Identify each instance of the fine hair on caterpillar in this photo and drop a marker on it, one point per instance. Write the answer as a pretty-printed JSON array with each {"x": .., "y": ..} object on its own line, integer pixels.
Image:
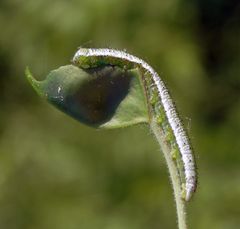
[{"x": 86, "y": 58}]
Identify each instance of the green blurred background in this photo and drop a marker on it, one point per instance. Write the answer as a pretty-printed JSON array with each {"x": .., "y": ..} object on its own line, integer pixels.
[{"x": 58, "y": 174}]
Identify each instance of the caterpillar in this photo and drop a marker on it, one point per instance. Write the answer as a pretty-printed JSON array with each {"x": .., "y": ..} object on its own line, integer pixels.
[{"x": 161, "y": 102}]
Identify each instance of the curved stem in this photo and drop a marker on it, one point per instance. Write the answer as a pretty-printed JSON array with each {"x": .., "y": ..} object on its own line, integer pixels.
[{"x": 174, "y": 176}]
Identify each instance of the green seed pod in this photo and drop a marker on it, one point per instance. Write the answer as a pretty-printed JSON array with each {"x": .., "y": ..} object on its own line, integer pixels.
[{"x": 105, "y": 96}]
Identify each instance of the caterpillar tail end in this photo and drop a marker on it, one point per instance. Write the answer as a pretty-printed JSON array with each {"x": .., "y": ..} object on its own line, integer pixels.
[{"x": 189, "y": 192}]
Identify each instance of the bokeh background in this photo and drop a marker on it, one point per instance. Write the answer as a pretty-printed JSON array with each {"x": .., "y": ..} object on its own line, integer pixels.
[{"x": 58, "y": 174}]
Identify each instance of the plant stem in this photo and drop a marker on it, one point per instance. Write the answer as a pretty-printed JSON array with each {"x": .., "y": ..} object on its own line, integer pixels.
[{"x": 174, "y": 176}]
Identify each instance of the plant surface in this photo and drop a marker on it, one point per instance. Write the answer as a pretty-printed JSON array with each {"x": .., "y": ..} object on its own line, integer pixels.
[{"x": 106, "y": 88}]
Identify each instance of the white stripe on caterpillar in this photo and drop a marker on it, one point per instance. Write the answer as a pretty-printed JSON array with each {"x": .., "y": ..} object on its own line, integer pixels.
[{"x": 171, "y": 113}]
